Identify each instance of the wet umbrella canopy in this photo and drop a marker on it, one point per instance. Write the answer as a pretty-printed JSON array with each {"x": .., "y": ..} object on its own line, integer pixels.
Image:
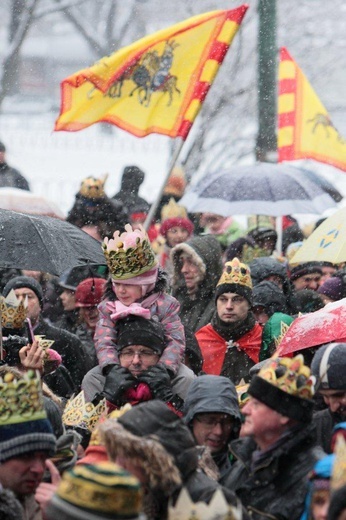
[
  {"x": 262, "y": 189},
  {"x": 47, "y": 244}
]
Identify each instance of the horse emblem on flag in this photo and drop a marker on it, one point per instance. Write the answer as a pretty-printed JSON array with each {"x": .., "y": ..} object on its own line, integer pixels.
[{"x": 150, "y": 74}]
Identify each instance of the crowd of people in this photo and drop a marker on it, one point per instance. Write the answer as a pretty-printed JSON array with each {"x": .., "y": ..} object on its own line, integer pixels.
[{"x": 151, "y": 386}]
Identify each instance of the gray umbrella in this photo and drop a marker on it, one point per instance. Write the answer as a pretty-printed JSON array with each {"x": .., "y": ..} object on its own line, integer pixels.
[
  {"x": 47, "y": 244},
  {"x": 262, "y": 189}
]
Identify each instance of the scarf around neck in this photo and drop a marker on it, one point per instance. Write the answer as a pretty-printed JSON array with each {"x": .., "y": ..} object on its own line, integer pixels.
[{"x": 233, "y": 331}]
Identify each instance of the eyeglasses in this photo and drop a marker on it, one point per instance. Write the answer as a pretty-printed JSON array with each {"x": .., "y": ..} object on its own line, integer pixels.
[
  {"x": 210, "y": 421},
  {"x": 142, "y": 354}
]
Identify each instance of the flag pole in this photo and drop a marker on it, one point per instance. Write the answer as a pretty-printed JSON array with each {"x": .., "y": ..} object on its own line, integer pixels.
[{"x": 177, "y": 149}]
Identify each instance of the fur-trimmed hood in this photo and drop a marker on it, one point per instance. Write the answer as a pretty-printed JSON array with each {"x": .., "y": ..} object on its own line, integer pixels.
[{"x": 206, "y": 253}]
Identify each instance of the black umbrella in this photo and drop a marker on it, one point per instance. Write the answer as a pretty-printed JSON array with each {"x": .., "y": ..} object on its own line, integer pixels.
[{"x": 47, "y": 244}]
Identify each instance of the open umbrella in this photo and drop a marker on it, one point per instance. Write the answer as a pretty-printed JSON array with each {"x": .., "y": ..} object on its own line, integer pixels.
[
  {"x": 322, "y": 326},
  {"x": 262, "y": 189},
  {"x": 45, "y": 244},
  {"x": 27, "y": 202},
  {"x": 327, "y": 243}
]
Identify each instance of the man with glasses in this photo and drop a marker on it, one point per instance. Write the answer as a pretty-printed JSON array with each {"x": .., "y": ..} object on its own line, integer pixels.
[
  {"x": 231, "y": 342},
  {"x": 139, "y": 375},
  {"x": 211, "y": 410}
]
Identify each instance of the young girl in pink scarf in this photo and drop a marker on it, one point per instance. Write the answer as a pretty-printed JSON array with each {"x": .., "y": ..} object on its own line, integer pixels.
[{"x": 137, "y": 287}]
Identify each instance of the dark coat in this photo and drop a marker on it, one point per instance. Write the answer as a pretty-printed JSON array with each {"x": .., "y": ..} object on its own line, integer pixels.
[
  {"x": 325, "y": 420},
  {"x": 72, "y": 353},
  {"x": 206, "y": 251},
  {"x": 155, "y": 418},
  {"x": 275, "y": 485},
  {"x": 11, "y": 178},
  {"x": 130, "y": 183}
]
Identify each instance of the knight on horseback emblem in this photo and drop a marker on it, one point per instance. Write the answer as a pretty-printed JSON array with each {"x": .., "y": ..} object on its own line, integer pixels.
[{"x": 151, "y": 73}]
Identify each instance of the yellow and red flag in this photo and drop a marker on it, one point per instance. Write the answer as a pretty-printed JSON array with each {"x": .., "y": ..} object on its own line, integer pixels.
[
  {"x": 305, "y": 130},
  {"x": 155, "y": 85}
]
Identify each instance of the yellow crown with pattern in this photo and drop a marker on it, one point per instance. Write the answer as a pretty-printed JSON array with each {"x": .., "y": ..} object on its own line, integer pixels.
[
  {"x": 85, "y": 415},
  {"x": 173, "y": 210},
  {"x": 290, "y": 375},
  {"x": 21, "y": 398},
  {"x": 13, "y": 311},
  {"x": 93, "y": 188},
  {"x": 235, "y": 272},
  {"x": 129, "y": 254},
  {"x": 217, "y": 509},
  {"x": 338, "y": 478}
]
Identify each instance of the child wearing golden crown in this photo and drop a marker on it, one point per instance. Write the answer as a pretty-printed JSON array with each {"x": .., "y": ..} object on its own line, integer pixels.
[{"x": 136, "y": 287}]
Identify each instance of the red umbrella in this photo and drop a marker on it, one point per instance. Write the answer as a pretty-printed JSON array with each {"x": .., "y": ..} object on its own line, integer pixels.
[{"x": 323, "y": 326}]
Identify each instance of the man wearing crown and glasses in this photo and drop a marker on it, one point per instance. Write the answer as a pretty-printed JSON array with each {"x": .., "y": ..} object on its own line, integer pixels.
[{"x": 231, "y": 342}]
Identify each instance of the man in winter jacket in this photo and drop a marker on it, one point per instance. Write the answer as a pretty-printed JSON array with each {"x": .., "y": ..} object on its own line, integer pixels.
[
  {"x": 160, "y": 450},
  {"x": 67, "y": 379},
  {"x": 231, "y": 342},
  {"x": 276, "y": 450},
  {"x": 197, "y": 267},
  {"x": 329, "y": 367},
  {"x": 10, "y": 177},
  {"x": 211, "y": 410}
]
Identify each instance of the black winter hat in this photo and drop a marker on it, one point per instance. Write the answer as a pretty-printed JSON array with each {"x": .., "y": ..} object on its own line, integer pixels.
[
  {"x": 135, "y": 330},
  {"x": 305, "y": 268},
  {"x": 19, "y": 282},
  {"x": 329, "y": 367}
]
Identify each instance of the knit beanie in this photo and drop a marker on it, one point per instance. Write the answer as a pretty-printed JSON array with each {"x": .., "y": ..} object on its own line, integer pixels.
[
  {"x": 236, "y": 278},
  {"x": 285, "y": 385},
  {"x": 96, "y": 491},
  {"x": 304, "y": 269},
  {"x": 332, "y": 288},
  {"x": 172, "y": 215},
  {"x": 19, "y": 282},
  {"x": 135, "y": 330},
  {"x": 24, "y": 427},
  {"x": 329, "y": 366}
]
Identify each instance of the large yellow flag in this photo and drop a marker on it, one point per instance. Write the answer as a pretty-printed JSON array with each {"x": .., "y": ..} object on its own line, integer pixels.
[
  {"x": 155, "y": 85},
  {"x": 305, "y": 130}
]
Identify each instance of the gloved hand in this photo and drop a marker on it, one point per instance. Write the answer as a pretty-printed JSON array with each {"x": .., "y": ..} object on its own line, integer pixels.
[
  {"x": 158, "y": 379},
  {"x": 118, "y": 380}
]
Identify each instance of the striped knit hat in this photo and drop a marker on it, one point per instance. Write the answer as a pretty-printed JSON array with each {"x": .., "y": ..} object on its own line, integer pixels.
[{"x": 96, "y": 491}]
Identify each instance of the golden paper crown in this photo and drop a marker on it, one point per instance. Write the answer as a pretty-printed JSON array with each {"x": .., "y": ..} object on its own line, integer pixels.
[
  {"x": 235, "y": 272},
  {"x": 290, "y": 375},
  {"x": 13, "y": 311},
  {"x": 93, "y": 188},
  {"x": 173, "y": 210},
  {"x": 85, "y": 415},
  {"x": 217, "y": 509},
  {"x": 283, "y": 329},
  {"x": 242, "y": 393},
  {"x": 21, "y": 399},
  {"x": 338, "y": 478},
  {"x": 129, "y": 254},
  {"x": 95, "y": 439}
]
